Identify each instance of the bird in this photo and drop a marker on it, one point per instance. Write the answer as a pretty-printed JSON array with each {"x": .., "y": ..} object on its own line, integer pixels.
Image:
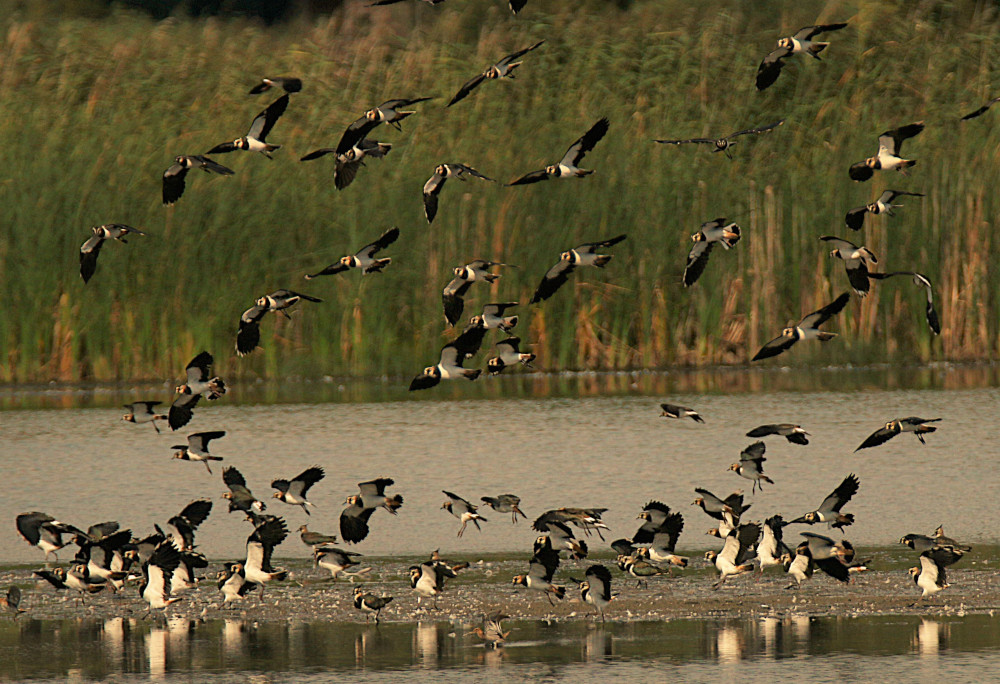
[
  {"x": 517, "y": 5},
  {"x": 463, "y": 510},
  {"x": 933, "y": 320},
  {"x": 279, "y": 300},
  {"x": 772, "y": 547},
  {"x": 829, "y": 556},
  {"x": 942, "y": 540},
  {"x": 567, "y": 166},
  {"x": 370, "y": 604},
  {"x": 734, "y": 559},
  {"x": 260, "y": 127},
  {"x": 504, "y": 68},
  {"x": 918, "y": 426},
  {"x": 890, "y": 145},
  {"x": 508, "y": 355},
  {"x": 315, "y": 539},
  {"x": 790, "y": 431},
  {"x": 390, "y": 112},
  {"x": 829, "y": 511},
  {"x": 348, "y": 161},
  {"x": 91, "y": 249},
  {"x": 434, "y": 184},
  {"x": 586, "y": 519},
  {"x": 239, "y": 496},
  {"x": 364, "y": 258},
  {"x": 294, "y": 492},
  {"x": 143, "y": 412},
  {"x": 712, "y": 232},
  {"x": 371, "y": 496},
  {"x": 725, "y": 142},
  {"x": 799, "y": 43},
  {"x": 919, "y": 542},
  {"x": 184, "y": 578},
  {"x": 807, "y": 329},
  {"x": 855, "y": 261},
  {"x": 491, "y": 631},
  {"x": 233, "y": 583},
  {"x": 541, "y": 568},
  {"x": 12, "y": 601},
  {"x": 982, "y": 110},
  {"x": 661, "y": 540},
  {"x": 289, "y": 84},
  {"x": 675, "y": 411},
  {"x": 200, "y": 382},
  {"x": 427, "y": 579},
  {"x": 493, "y": 318},
  {"x": 505, "y": 503},
  {"x": 640, "y": 569},
  {"x": 596, "y": 588},
  {"x": 197, "y": 448},
  {"x": 156, "y": 576},
  {"x": 558, "y": 535},
  {"x": 655, "y": 515},
  {"x": 751, "y": 466},
  {"x": 716, "y": 507},
  {"x": 42, "y": 530},
  {"x": 260, "y": 548},
  {"x": 173, "y": 177},
  {"x": 582, "y": 255},
  {"x": 448, "y": 368},
  {"x": 337, "y": 561},
  {"x": 454, "y": 292},
  {"x": 855, "y": 218},
  {"x": 248, "y": 334},
  {"x": 931, "y": 576},
  {"x": 181, "y": 527}
]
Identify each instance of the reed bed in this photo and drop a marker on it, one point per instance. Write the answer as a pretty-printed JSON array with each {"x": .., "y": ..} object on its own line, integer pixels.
[{"x": 94, "y": 110}]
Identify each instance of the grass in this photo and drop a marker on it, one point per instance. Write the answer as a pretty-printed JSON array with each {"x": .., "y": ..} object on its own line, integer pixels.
[{"x": 94, "y": 110}]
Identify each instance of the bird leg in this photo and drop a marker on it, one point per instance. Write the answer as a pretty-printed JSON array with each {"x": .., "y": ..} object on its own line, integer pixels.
[{"x": 461, "y": 530}]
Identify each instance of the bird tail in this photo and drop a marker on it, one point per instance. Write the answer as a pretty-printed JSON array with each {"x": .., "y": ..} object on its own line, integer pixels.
[
  {"x": 765, "y": 478},
  {"x": 824, "y": 336},
  {"x": 906, "y": 163},
  {"x": 280, "y": 576},
  {"x": 213, "y": 458},
  {"x": 817, "y": 48},
  {"x": 746, "y": 567},
  {"x": 491, "y": 277},
  {"x": 602, "y": 260},
  {"x": 527, "y": 358},
  {"x": 679, "y": 561},
  {"x": 472, "y": 373},
  {"x": 560, "y": 592},
  {"x": 510, "y": 321},
  {"x": 378, "y": 265},
  {"x": 844, "y": 520},
  {"x": 392, "y": 503}
]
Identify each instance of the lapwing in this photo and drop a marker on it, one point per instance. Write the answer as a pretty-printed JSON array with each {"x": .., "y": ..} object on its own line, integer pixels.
[
  {"x": 596, "y": 588},
  {"x": 712, "y": 232},
  {"x": 508, "y": 355},
  {"x": 582, "y": 255},
  {"x": 454, "y": 292},
  {"x": 180, "y": 529},
  {"x": 233, "y": 583},
  {"x": 493, "y": 319},
  {"x": 248, "y": 334},
  {"x": 504, "y": 68},
  {"x": 829, "y": 510},
  {"x": 185, "y": 576},
  {"x": 371, "y": 496},
  {"x": 568, "y": 165},
  {"x": 104, "y": 557},
  {"x": 449, "y": 367},
  {"x": 919, "y": 542},
  {"x": 11, "y": 602},
  {"x": 91, "y": 249},
  {"x": 337, "y": 561},
  {"x": 390, "y": 112},
  {"x": 890, "y": 145},
  {"x": 640, "y": 569},
  {"x": 434, "y": 184},
  {"x": 370, "y": 604},
  {"x": 586, "y": 519},
  {"x": 800, "y": 43},
  {"x": 45, "y": 532},
  {"x": 364, "y": 258},
  {"x": 491, "y": 631},
  {"x": 716, "y": 507},
  {"x": 505, "y": 503},
  {"x": 772, "y": 546},
  {"x": 855, "y": 218},
  {"x": 982, "y": 110},
  {"x": 558, "y": 535},
  {"x": 662, "y": 542},
  {"x": 260, "y": 548},
  {"x": 239, "y": 496},
  {"x": 173, "y": 177},
  {"x": 541, "y": 568},
  {"x": 736, "y": 554},
  {"x": 294, "y": 491},
  {"x": 806, "y": 329},
  {"x": 463, "y": 510},
  {"x": 427, "y": 579},
  {"x": 200, "y": 382},
  {"x": 725, "y": 142},
  {"x": 655, "y": 514},
  {"x": 942, "y": 540},
  {"x": 931, "y": 576},
  {"x": 349, "y": 161},
  {"x": 790, "y": 431},
  {"x": 279, "y": 300},
  {"x": 156, "y": 577},
  {"x": 143, "y": 412},
  {"x": 829, "y": 556},
  {"x": 197, "y": 448},
  {"x": 260, "y": 127},
  {"x": 675, "y": 411},
  {"x": 933, "y": 320},
  {"x": 751, "y": 466},
  {"x": 918, "y": 426},
  {"x": 289, "y": 84},
  {"x": 855, "y": 261},
  {"x": 314, "y": 539}
]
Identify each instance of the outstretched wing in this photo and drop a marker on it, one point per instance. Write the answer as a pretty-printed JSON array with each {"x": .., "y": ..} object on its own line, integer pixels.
[
  {"x": 808, "y": 32},
  {"x": 880, "y": 436},
  {"x": 554, "y": 278},
  {"x": 528, "y": 178},
  {"x": 770, "y": 68},
  {"x": 264, "y": 122},
  {"x": 774, "y": 347},
  {"x": 821, "y": 316},
  {"x": 467, "y": 88},
  {"x": 841, "y": 495},
  {"x": 892, "y": 141},
  {"x": 514, "y": 55},
  {"x": 696, "y": 262},
  {"x": 384, "y": 240},
  {"x": 855, "y": 218},
  {"x": 759, "y": 129},
  {"x": 585, "y": 143}
]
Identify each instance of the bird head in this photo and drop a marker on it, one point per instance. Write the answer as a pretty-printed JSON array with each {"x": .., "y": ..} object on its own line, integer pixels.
[
  {"x": 698, "y": 237},
  {"x": 495, "y": 365},
  {"x": 872, "y": 162},
  {"x": 735, "y": 467},
  {"x": 493, "y": 72},
  {"x": 788, "y": 332},
  {"x": 710, "y": 556},
  {"x": 913, "y": 572},
  {"x": 350, "y": 261},
  {"x": 442, "y": 170},
  {"x": 446, "y": 506},
  {"x": 372, "y": 115},
  {"x": 834, "y": 253},
  {"x": 785, "y": 43},
  {"x": 520, "y": 579},
  {"x": 180, "y": 160},
  {"x": 358, "y": 591},
  {"x": 276, "y": 495},
  {"x": 714, "y": 532},
  {"x": 698, "y": 502},
  {"x": 643, "y": 516},
  {"x": 180, "y": 453},
  {"x": 182, "y": 389},
  {"x": 552, "y": 169},
  {"x": 873, "y": 207},
  {"x": 129, "y": 417}
]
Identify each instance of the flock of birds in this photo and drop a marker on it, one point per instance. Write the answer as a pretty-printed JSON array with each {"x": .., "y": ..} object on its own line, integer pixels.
[{"x": 166, "y": 559}]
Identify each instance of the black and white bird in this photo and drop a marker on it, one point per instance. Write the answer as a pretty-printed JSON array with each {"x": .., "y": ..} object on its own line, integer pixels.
[
  {"x": 289, "y": 84},
  {"x": 453, "y": 295},
  {"x": 800, "y": 43},
  {"x": 942, "y": 540},
  {"x": 675, "y": 411},
  {"x": 181, "y": 528},
  {"x": 294, "y": 491},
  {"x": 505, "y": 503},
  {"x": 434, "y": 184},
  {"x": 315, "y": 539},
  {"x": 240, "y": 497},
  {"x": 391, "y": 113},
  {"x": 200, "y": 382},
  {"x": 931, "y": 576},
  {"x": 279, "y": 300},
  {"x": 982, "y": 110},
  {"x": 233, "y": 583},
  {"x": 463, "y": 510},
  {"x": 661, "y": 539},
  {"x": 596, "y": 588},
  {"x": 807, "y": 329},
  {"x": 197, "y": 448},
  {"x": 890, "y": 145},
  {"x": 855, "y": 261},
  {"x": 364, "y": 258},
  {"x": 370, "y": 604},
  {"x": 173, "y": 177},
  {"x": 91, "y": 249},
  {"x": 493, "y": 318},
  {"x": 737, "y": 552},
  {"x": 156, "y": 576},
  {"x": 45, "y": 532},
  {"x": 353, "y": 157},
  {"x": 582, "y": 255},
  {"x": 587, "y": 519},
  {"x": 360, "y": 507},
  {"x": 260, "y": 549},
  {"x": 933, "y": 320},
  {"x": 919, "y": 542},
  {"x": 718, "y": 508},
  {"x": 541, "y": 569},
  {"x": 772, "y": 546},
  {"x": 829, "y": 510},
  {"x": 855, "y": 218},
  {"x": 260, "y": 127},
  {"x": 427, "y": 579},
  {"x": 337, "y": 561},
  {"x": 568, "y": 166},
  {"x": 504, "y": 68},
  {"x": 725, "y": 142},
  {"x": 712, "y": 232},
  {"x": 508, "y": 355},
  {"x": 829, "y": 556},
  {"x": 918, "y": 426},
  {"x": 790, "y": 431},
  {"x": 143, "y": 412},
  {"x": 449, "y": 367},
  {"x": 559, "y": 536},
  {"x": 248, "y": 334},
  {"x": 751, "y": 466}
]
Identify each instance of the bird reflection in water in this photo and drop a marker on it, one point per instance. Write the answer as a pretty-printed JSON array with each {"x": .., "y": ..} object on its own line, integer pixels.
[
  {"x": 425, "y": 644},
  {"x": 596, "y": 644},
  {"x": 729, "y": 643},
  {"x": 931, "y": 637}
]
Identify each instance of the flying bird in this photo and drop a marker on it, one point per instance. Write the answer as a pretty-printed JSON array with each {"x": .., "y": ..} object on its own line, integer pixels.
[
  {"x": 800, "y": 43},
  {"x": 448, "y": 368},
  {"x": 44, "y": 531},
  {"x": 200, "y": 382},
  {"x": 156, "y": 576},
  {"x": 829, "y": 510},
  {"x": 364, "y": 258},
  {"x": 442, "y": 172},
  {"x": 918, "y": 426},
  {"x": 855, "y": 261},
  {"x": 807, "y": 329},
  {"x": 197, "y": 448},
  {"x": 505, "y": 503},
  {"x": 790, "y": 431},
  {"x": 502, "y": 69},
  {"x": 712, "y": 232},
  {"x": 890, "y": 145},
  {"x": 260, "y": 127},
  {"x": 736, "y": 554},
  {"x": 289, "y": 84},
  {"x": 173, "y": 177},
  {"x": 583, "y": 255},
  {"x": 248, "y": 334},
  {"x": 239, "y": 496},
  {"x": 351, "y": 159},
  {"x": 294, "y": 491},
  {"x": 260, "y": 548},
  {"x": 596, "y": 589},
  {"x": 493, "y": 318},
  {"x": 91, "y": 249},
  {"x": 390, "y": 112},
  {"x": 933, "y": 321},
  {"x": 541, "y": 569},
  {"x": 751, "y": 465},
  {"x": 463, "y": 510},
  {"x": 725, "y": 142},
  {"x": 453, "y": 295},
  {"x": 508, "y": 355},
  {"x": 143, "y": 412},
  {"x": 567, "y": 167},
  {"x": 354, "y": 519},
  {"x": 855, "y": 218},
  {"x": 674, "y": 411}
]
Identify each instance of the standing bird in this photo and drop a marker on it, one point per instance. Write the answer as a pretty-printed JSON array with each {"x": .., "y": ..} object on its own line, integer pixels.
[
  {"x": 800, "y": 43},
  {"x": 91, "y": 249},
  {"x": 724, "y": 143},
  {"x": 239, "y": 496},
  {"x": 173, "y": 177},
  {"x": 502, "y": 69},
  {"x": 751, "y": 466},
  {"x": 942, "y": 540},
  {"x": 662, "y": 542},
  {"x": 427, "y": 579},
  {"x": 200, "y": 382},
  {"x": 933, "y": 320},
  {"x": 855, "y": 261},
  {"x": 855, "y": 218},
  {"x": 156, "y": 576},
  {"x": 505, "y": 503},
  {"x": 541, "y": 568},
  {"x": 294, "y": 492},
  {"x": 790, "y": 431},
  {"x": 890, "y": 145},
  {"x": 197, "y": 448},
  {"x": 582, "y": 255},
  {"x": 442, "y": 172},
  {"x": 918, "y": 426},
  {"x": 712, "y": 232},
  {"x": 370, "y": 604},
  {"x": 449, "y": 367},
  {"x": 142, "y": 412},
  {"x": 260, "y": 548},
  {"x": 12, "y": 601},
  {"x": 567, "y": 166},
  {"x": 807, "y": 329},
  {"x": 734, "y": 559},
  {"x": 337, "y": 561},
  {"x": 508, "y": 355},
  {"x": 463, "y": 510},
  {"x": 289, "y": 84},
  {"x": 364, "y": 258},
  {"x": 931, "y": 576},
  {"x": 596, "y": 589},
  {"x": 44, "y": 531},
  {"x": 829, "y": 511},
  {"x": 255, "y": 139},
  {"x": 675, "y": 411}
]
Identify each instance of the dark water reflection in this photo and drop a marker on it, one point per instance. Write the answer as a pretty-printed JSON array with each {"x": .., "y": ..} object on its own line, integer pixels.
[{"x": 122, "y": 648}]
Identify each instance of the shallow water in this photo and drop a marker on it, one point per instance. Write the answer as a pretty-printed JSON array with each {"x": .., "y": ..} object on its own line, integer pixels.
[{"x": 820, "y": 649}]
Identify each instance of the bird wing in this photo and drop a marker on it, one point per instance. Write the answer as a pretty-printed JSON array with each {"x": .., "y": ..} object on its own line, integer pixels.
[
  {"x": 892, "y": 141},
  {"x": 467, "y": 88},
  {"x": 201, "y": 439},
  {"x": 774, "y": 347},
  {"x": 181, "y": 410},
  {"x": 585, "y": 143},
  {"x": 860, "y": 172},
  {"x": 834, "y": 567},
  {"x": 514, "y": 55},
  {"x": 511, "y": 343},
  {"x": 770, "y": 67},
  {"x": 264, "y": 122},
  {"x": 689, "y": 140},
  {"x": 821, "y": 316},
  {"x": 880, "y": 436},
  {"x": 374, "y": 489},
  {"x": 497, "y": 308},
  {"x": 746, "y": 536},
  {"x": 261, "y": 543},
  {"x": 173, "y": 183},
  {"x": 592, "y": 247},
  {"x": 89, "y": 252},
  {"x": 754, "y": 452},
  {"x": 943, "y": 556},
  {"x": 316, "y": 154},
  {"x": 981, "y": 110},
  {"x": 533, "y": 177},
  {"x": 475, "y": 174},
  {"x": 697, "y": 261},
  {"x": 197, "y": 511},
  {"x": 459, "y": 502},
  {"x": 354, "y": 134},
  {"x": 855, "y": 218},
  {"x": 354, "y": 523},
  {"x": 231, "y": 477},
  {"x": 207, "y": 164},
  {"x": 469, "y": 341},
  {"x": 384, "y": 240},
  {"x": 543, "y": 564},
  {"x": 808, "y": 32},
  {"x": 759, "y": 129},
  {"x": 223, "y": 148},
  {"x": 306, "y": 479},
  {"x": 839, "y": 243},
  {"x": 841, "y": 495},
  {"x": 554, "y": 278},
  {"x": 197, "y": 370},
  {"x": 452, "y": 299},
  {"x": 666, "y": 536},
  {"x": 431, "y": 189}
]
